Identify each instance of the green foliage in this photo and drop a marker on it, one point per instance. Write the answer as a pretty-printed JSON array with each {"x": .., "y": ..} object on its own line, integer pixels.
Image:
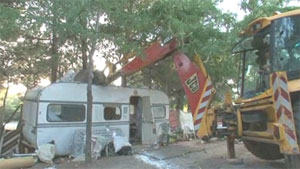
[
  {"x": 57, "y": 35},
  {"x": 261, "y": 8},
  {"x": 8, "y": 26},
  {"x": 12, "y": 102},
  {"x": 199, "y": 26}
]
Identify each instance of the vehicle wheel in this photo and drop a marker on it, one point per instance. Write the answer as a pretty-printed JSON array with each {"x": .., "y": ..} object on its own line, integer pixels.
[
  {"x": 263, "y": 150},
  {"x": 293, "y": 161}
]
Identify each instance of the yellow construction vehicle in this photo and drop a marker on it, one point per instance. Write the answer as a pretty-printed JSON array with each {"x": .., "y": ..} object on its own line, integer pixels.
[{"x": 267, "y": 114}]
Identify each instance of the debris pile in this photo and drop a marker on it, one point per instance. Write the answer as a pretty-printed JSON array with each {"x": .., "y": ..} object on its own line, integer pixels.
[
  {"x": 82, "y": 76},
  {"x": 104, "y": 142},
  {"x": 181, "y": 125}
]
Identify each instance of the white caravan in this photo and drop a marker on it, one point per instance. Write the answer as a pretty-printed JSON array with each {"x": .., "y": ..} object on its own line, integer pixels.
[{"x": 55, "y": 112}]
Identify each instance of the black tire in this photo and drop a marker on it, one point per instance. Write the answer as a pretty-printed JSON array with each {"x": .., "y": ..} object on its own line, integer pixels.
[
  {"x": 296, "y": 110},
  {"x": 263, "y": 150},
  {"x": 293, "y": 161}
]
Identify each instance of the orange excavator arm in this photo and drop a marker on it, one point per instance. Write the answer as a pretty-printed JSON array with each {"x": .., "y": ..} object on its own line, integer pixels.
[{"x": 194, "y": 79}]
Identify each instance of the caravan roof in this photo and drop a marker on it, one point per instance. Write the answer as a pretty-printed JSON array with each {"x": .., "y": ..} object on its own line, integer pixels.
[{"x": 76, "y": 92}]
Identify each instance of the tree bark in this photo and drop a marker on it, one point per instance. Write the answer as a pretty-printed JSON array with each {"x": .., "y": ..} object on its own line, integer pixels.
[
  {"x": 124, "y": 81},
  {"x": 84, "y": 54},
  {"x": 180, "y": 99},
  {"x": 88, "y": 153},
  {"x": 54, "y": 59},
  {"x": 88, "y": 148},
  {"x": 54, "y": 47},
  {"x": 3, "y": 108}
]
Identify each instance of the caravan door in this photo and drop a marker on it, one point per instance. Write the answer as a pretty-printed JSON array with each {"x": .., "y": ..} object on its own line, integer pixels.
[{"x": 148, "y": 126}]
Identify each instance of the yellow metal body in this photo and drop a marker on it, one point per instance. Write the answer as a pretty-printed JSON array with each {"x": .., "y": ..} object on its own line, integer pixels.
[
  {"x": 275, "y": 132},
  {"x": 207, "y": 122},
  {"x": 279, "y": 119},
  {"x": 262, "y": 23},
  {"x": 209, "y": 116}
]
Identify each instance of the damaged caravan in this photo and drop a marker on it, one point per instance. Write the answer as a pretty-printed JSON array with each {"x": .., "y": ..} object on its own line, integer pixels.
[{"x": 55, "y": 112}]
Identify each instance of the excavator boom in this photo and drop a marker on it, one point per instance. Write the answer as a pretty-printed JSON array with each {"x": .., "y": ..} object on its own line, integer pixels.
[{"x": 194, "y": 79}]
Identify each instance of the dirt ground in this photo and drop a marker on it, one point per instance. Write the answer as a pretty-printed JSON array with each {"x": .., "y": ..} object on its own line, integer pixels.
[{"x": 181, "y": 155}]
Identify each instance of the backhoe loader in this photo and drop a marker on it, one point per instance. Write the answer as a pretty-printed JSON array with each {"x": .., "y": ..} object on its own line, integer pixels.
[{"x": 266, "y": 116}]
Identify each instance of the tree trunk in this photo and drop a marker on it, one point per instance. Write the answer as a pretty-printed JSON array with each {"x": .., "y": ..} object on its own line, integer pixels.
[
  {"x": 3, "y": 108},
  {"x": 180, "y": 99},
  {"x": 54, "y": 48},
  {"x": 88, "y": 148},
  {"x": 88, "y": 154},
  {"x": 84, "y": 54},
  {"x": 150, "y": 78},
  {"x": 54, "y": 59},
  {"x": 124, "y": 81}
]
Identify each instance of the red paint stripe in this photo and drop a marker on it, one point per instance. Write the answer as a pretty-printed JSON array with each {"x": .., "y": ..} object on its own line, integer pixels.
[
  {"x": 274, "y": 76},
  {"x": 287, "y": 112},
  {"x": 289, "y": 131},
  {"x": 284, "y": 94},
  {"x": 209, "y": 87},
  {"x": 279, "y": 112},
  {"x": 205, "y": 99},
  {"x": 276, "y": 95},
  {"x": 201, "y": 110},
  {"x": 283, "y": 79},
  {"x": 198, "y": 121}
]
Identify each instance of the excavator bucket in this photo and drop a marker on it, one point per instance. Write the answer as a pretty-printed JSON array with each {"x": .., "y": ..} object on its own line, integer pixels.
[{"x": 198, "y": 89}]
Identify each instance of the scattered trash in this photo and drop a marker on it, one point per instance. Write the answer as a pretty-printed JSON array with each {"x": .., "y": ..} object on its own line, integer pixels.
[
  {"x": 163, "y": 133},
  {"x": 46, "y": 153},
  {"x": 53, "y": 167},
  {"x": 186, "y": 120},
  {"x": 102, "y": 140},
  {"x": 121, "y": 145},
  {"x": 79, "y": 158},
  {"x": 187, "y": 125},
  {"x": 174, "y": 120},
  {"x": 78, "y": 146},
  {"x": 24, "y": 155},
  {"x": 98, "y": 77},
  {"x": 19, "y": 162},
  {"x": 182, "y": 126},
  {"x": 58, "y": 160}
]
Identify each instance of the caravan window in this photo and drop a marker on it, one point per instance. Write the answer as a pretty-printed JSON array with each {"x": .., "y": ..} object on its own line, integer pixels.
[
  {"x": 159, "y": 112},
  {"x": 112, "y": 113},
  {"x": 65, "y": 113}
]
